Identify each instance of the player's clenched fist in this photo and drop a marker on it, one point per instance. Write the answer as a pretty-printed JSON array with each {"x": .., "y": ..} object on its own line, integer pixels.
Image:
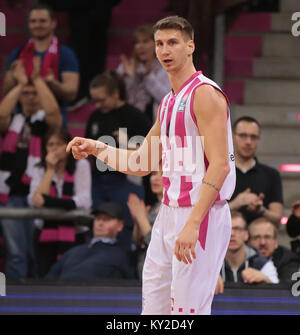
[{"x": 82, "y": 147}]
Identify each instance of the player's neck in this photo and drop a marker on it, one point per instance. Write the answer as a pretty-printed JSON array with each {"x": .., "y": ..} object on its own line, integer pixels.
[{"x": 178, "y": 78}]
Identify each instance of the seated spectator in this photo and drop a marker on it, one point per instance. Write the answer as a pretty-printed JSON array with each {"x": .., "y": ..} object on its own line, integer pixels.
[
  {"x": 263, "y": 236},
  {"x": 21, "y": 150},
  {"x": 59, "y": 65},
  {"x": 58, "y": 182},
  {"x": 102, "y": 257},
  {"x": 146, "y": 81},
  {"x": 143, "y": 218},
  {"x": 258, "y": 191},
  {"x": 109, "y": 94},
  {"x": 244, "y": 263},
  {"x": 293, "y": 226}
]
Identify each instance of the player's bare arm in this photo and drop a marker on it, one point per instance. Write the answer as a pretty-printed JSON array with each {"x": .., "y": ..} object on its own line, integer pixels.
[
  {"x": 149, "y": 153},
  {"x": 210, "y": 108}
]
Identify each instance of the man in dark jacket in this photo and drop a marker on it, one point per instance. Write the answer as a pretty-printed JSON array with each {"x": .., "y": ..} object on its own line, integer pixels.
[
  {"x": 263, "y": 236},
  {"x": 293, "y": 227},
  {"x": 244, "y": 263},
  {"x": 102, "y": 257}
]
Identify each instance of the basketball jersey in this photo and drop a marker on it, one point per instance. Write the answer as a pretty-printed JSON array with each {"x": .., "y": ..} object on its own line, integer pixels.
[{"x": 184, "y": 163}]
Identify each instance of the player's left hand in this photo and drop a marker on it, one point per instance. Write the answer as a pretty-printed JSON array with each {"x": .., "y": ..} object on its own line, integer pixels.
[{"x": 186, "y": 243}]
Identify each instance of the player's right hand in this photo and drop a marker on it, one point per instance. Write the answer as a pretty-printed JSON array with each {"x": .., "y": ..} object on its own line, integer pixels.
[{"x": 82, "y": 147}]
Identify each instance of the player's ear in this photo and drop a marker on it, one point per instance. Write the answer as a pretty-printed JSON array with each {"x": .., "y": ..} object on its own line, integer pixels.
[{"x": 191, "y": 47}]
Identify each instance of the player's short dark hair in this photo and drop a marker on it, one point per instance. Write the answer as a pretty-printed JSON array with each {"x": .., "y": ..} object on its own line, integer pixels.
[
  {"x": 245, "y": 119},
  {"x": 43, "y": 6},
  {"x": 112, "y": 81},
  {"x": 175, "y": 22}
]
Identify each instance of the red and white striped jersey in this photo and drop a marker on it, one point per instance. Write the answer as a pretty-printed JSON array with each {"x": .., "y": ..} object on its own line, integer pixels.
[{"x": 184, "y": 163}]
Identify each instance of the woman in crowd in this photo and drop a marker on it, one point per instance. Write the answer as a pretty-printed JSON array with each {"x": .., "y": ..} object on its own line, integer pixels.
[
  {"x": 58, "y": 182},
  {"x": 146, "y": 81}
]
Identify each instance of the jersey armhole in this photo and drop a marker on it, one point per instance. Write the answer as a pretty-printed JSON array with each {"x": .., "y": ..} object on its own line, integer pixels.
[{"x": 193, "y": 95}]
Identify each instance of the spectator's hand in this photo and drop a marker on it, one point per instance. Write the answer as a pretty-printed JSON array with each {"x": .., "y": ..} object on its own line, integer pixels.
[
  {"x": 137, "y": 208},
  {"x": 251, "y": 276},
  {"x": 220, "y": 286},
  {"x": 19, "y": 72},
  {"x": 36, "y": 67},
  {"x": 245, "y": 198},
  {"x": 83, "y": 147},
  {"x": 296, "y": 208},
  {"x": 38, "y": 200},
  {"x": 50, "y": 77},
  {"x": 129, "y": 65},
  {"x": 257, "y": 204}
]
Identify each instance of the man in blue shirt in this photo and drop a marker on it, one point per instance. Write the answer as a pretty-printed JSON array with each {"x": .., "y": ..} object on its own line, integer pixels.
[
  {"x": 59, "y": 64},
  {"x": 102, "y": 257}
]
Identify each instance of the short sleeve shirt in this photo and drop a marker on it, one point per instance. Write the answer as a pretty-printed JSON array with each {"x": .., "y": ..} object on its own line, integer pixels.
[{"x": 68, "y": 62}]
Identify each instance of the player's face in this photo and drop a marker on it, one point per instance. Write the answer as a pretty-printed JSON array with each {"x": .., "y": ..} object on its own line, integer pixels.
[
  {"x": 239, "y": 234},
  {"x": 103, "y": 100},
  {"x": 106, "y": 226},
  {"x": 262, "y": 237},
  {"x": 41, "y": 24},
  {"x": 173, "y": 49},
  {"x": 246, "y": 139},
  {"x": 144, "y": 48}
]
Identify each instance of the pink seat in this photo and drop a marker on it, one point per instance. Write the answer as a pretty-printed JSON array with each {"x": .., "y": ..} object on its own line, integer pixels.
[
  {"x": 253, "y": 22},
  {"x": 234, "y": 89},
  {"x": 82, "y": 113},
  {"x": 244, "y": 47},
  {"x": 76, "y": 131}
]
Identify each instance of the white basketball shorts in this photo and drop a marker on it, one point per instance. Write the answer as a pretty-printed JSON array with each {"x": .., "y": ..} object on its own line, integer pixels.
[{"x": 173, "y": 287}]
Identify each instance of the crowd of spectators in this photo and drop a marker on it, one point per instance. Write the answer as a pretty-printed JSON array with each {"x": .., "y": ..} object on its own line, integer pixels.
[{"x": 42, "y": 77}]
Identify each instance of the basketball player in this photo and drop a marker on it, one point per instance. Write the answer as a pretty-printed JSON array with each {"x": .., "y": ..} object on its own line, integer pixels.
[{"x": 192, "y": 231}]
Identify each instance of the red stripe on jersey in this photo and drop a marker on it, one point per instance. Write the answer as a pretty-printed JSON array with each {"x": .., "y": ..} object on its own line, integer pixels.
[
  {"x": 166, "y": 183},
  {"x": 184, "y": 199},
  {"x": 203, "y": 231}
]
